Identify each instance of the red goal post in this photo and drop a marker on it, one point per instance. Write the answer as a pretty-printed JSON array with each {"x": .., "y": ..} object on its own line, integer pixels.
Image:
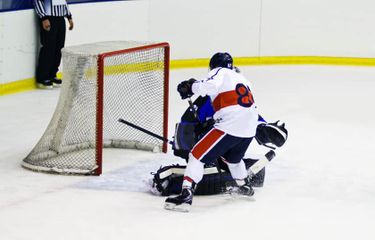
[{"x": 103, "y": 82}]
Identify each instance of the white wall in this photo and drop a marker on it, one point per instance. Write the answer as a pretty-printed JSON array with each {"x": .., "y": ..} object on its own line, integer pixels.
[
  {"x": 198, "y": 28},
  {"x": 109, "y": 21},
  {"x": 18, "y": 45},
  {"x": 318, "y": 28}
]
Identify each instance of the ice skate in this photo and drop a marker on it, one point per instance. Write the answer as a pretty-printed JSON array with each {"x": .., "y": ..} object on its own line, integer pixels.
[
  {"x": 181, "y": 202},
  {"x": 243, "y": 188}
]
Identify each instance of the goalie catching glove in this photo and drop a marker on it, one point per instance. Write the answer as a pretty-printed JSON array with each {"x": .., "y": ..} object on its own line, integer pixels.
[
  {"x": 184, "y": 88},
  {"x": 272, "y": 133}
]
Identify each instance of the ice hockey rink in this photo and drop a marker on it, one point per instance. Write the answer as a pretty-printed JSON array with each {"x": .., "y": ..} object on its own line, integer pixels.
[{"x": 321, "y": 185}]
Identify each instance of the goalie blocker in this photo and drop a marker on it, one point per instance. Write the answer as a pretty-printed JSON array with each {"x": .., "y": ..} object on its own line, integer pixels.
[{"x": 168, "y": 180}]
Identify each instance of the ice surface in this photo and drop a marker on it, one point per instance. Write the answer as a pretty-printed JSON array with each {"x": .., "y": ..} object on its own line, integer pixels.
[{"x": 321, "y": 185}]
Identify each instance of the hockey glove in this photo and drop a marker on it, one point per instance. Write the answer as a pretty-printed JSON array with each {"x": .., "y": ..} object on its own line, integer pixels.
[
  {"x": 272, "y": 133},
  {"x": 184, "y": 88}
]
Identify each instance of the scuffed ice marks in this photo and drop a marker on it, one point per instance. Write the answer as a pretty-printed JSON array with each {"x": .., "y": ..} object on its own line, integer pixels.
[{"x": 136, "y": 177}]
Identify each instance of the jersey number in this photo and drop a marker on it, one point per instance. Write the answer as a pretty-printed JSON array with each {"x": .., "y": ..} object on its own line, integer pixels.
[{"x": 245, "y": 97}]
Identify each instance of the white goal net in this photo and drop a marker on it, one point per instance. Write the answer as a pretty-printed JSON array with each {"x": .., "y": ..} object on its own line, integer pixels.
[{"x": 103, "y": 82}]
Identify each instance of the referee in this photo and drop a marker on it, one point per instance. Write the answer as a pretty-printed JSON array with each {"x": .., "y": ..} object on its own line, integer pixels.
[{"x": 51, "y": 15}]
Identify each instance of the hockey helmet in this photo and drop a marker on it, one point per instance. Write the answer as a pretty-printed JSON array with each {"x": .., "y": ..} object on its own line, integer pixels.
[{"x": 221, "y": 59}]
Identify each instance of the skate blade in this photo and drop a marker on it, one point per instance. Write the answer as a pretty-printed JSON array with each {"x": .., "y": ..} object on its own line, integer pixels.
[
  {"x": 178, "y": 208},
  {"x": 242, "y": 196},
  {"x": 232, "y": 193},
  {"x": 41, "y": 86}
]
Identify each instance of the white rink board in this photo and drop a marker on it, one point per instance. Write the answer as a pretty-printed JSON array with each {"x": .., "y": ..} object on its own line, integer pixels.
[{"x": 197, "y": 29}]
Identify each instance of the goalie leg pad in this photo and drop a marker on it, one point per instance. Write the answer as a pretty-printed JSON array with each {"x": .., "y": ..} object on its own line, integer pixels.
[
  {"x": 168, "y": 180},
  {"x": 256, "y": 180}
]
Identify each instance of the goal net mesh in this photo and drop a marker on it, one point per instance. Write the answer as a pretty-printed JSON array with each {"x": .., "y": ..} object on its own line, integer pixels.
[{"x": 132, "y": 81}]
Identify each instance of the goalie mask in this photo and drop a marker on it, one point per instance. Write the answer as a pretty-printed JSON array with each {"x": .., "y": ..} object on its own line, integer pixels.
[{"x": 272, "y": 133}]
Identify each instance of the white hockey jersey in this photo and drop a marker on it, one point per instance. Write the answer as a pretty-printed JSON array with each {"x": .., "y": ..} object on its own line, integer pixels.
[{"x": 232, "y": 100}]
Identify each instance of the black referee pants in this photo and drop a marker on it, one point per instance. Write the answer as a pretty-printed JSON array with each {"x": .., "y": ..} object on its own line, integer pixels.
[{"x": 50, "y": 52}]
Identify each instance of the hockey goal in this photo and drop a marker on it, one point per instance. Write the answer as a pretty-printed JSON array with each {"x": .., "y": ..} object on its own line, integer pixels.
[{"x": 103, "y": 82}]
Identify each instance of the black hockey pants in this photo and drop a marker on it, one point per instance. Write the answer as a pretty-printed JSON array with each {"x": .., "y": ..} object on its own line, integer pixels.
[{"x": 50, "y": 52}]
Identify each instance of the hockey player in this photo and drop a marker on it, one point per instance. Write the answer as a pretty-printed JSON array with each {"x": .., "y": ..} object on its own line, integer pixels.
[
  {"x": 167, "y": 180},
  {"x": 235, "y": 126}
]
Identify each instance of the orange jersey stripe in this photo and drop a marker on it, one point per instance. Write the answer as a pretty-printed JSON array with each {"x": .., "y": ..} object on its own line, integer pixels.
[
  {"x": 206, "y": 142},
  {"x": 231, "y": 98},
  {"x": 225, "y": 99}
]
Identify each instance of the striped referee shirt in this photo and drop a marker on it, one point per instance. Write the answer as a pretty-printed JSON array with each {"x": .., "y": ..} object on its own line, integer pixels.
[{"x": 55, "y": 8}]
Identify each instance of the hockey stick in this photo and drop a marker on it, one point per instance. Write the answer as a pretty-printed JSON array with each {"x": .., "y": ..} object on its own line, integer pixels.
[
  {"x": 254, "y": 169},
  {"x": 145, "y": 131},
  {"x": 261, "y": 163}
]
